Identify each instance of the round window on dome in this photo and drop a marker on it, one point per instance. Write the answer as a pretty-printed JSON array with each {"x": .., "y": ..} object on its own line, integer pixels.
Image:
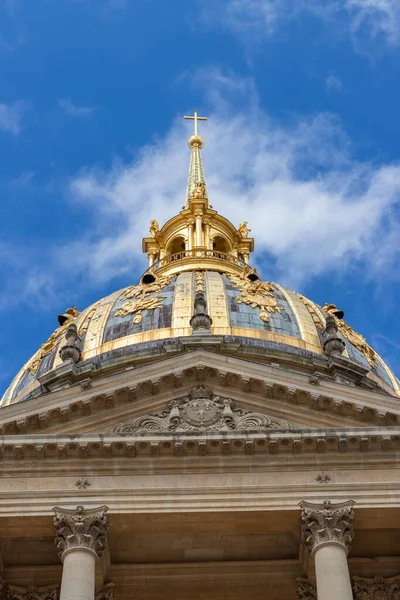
[{"x": 148, "y": 278}]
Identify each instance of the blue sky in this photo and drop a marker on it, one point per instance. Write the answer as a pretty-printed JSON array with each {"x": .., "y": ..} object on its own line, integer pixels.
[{"x": 302, "y": 141}]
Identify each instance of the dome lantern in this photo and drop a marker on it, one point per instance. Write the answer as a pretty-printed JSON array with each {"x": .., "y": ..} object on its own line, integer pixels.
[{"x": 198, "y": 237}]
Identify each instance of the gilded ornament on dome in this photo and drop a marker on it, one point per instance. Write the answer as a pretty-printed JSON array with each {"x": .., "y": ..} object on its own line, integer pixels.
[
  {"x": 154, "y": 228},
  {"x": 243, "y": 229},
  {"x": 356, "y": 339},
  {"x": 199, "y": 276},
  {"x": 137, "y": 299},
  {"x": 312, "y": 311},
  {"x": 256, "y": 293},
  {"x": 47, "y": 347}
]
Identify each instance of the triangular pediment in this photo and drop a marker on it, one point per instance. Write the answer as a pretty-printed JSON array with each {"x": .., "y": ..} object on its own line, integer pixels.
[{"x": 227, "y": 393}]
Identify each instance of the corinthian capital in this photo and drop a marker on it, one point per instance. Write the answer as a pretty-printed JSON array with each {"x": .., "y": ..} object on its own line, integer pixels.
[
  {"x": 32, "y": 592},
  {"x": 80, "y": 528},
  {"x": 305, "y": 590},
  {"x": 327, "y": 522},
  {"x": 377, "y": 587}
]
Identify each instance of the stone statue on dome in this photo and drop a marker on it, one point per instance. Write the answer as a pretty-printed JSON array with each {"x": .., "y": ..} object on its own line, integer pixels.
[
  {"x": 243, "y": 229},
  {"x": 154, "y": 228},
  {"x": 199, "y": 190}
]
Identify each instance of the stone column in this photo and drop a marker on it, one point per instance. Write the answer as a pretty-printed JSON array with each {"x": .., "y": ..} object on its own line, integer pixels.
[
  {"x": 327, "y": 531},
  {"x": 199, "y": 228},
  {"x": 81, "y": 541},
  {"x": 151, "y": 259},
  {"x": 190, "y": 237},
  {"x": 207, "y": 241}
]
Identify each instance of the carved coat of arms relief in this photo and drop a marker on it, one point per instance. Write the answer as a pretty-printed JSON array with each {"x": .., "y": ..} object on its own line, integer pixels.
[{"x": 201, "y": 410}]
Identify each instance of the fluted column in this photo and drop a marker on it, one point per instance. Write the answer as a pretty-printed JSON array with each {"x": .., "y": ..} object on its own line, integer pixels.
[
  {"x": 81, "y": 540},
  {"x": 327, "y": 531}
]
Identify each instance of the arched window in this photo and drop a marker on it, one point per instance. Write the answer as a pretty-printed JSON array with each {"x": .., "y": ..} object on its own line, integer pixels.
[
  {"x": 220, "y": 244},
  {"x": 177, "y": 245}
]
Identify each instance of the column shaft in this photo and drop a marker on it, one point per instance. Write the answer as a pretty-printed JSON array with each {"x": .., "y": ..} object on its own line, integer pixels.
[
  {"x": 332, "y": 572},
  {"x": 207, "y": 241},
  {"x": 199, "y": 232},
  {"x": 190, "y": 237},
  {"x": 78, "y": 576}
]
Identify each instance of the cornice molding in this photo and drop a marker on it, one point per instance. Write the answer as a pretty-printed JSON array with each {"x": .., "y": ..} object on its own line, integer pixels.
[
  {"x": 168, "y": 444},
  {"x": 146, "y": 387}
]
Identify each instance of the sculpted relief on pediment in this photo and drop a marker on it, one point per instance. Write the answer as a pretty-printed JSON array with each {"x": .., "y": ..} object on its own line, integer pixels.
[{"x": 200, "y": 410}]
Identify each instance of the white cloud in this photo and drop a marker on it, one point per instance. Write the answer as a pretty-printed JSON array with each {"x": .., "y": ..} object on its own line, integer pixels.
[
  {"x": 333, "y": 83},
  {"x": 310, "y": 206},
  {"x": 11, "y": 117},
  {"x": 73, "y": 110},
  {"x": 376, "y": 17},
  {"x": 368, "y": 18}
]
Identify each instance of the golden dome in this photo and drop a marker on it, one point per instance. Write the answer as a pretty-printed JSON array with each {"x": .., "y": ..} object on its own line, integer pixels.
[
  {"x": 263, "y": 321},
  {"x": 200, "y": 252}
]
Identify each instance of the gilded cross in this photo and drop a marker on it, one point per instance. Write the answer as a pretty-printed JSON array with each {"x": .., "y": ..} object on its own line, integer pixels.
[{"x": 195, "y": 118}]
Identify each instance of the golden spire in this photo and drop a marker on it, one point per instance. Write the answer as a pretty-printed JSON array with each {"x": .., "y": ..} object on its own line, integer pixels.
[{"x": 196, "y": 171}]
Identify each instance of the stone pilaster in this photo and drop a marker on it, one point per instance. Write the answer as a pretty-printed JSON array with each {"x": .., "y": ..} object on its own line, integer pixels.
[{"x": 327, "y": 532}]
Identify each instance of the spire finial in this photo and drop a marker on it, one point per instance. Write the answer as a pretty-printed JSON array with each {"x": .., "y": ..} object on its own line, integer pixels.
[
  {"x": 196, "y": 172},
  {"x": 195, "y": 118}
]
